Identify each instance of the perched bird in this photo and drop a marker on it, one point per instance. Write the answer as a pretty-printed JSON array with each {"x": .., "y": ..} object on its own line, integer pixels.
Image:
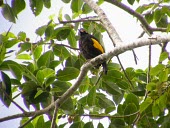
[{"x": 90, "y": 47}]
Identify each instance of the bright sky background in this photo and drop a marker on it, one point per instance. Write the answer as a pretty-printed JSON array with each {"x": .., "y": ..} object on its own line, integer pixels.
[{"x": 126, "y": 26}]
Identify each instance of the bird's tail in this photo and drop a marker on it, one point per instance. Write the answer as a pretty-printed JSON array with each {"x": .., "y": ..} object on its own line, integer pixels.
[{"x": 104, "y": 68}]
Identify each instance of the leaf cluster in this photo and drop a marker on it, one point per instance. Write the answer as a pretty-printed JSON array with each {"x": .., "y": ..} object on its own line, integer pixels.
[{"x": 48, "y": 67}]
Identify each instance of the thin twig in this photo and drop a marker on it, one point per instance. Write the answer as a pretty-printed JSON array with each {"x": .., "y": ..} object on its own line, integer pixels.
[
  {"x": 98, "y": 79},
  {"x": 67, "y": 46},
  {"x": 63, "y": 45},
  {"x": 132, "y": 87},
  {"x": 53, "y": 123},
  {"x": 108, "y": 116},
  {"x": 149, "y": 64},
  {"x": 22, "y": 126},
  {"x": 137, "y": 15},
  {"x": 17, "y": 105}
]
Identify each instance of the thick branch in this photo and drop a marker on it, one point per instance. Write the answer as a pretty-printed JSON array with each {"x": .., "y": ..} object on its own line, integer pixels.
[
  {"x": 106, "y": 23},
  {"x": 137, "y": 15},
  {"x": 116, "y": 51}
]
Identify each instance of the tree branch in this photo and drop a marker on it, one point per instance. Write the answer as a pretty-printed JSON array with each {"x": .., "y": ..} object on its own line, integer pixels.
[
  {"x": 109, "y": 116},
  {"x": 53, "y": 123},
  {"x": 137, "y": 15},
  {"x": 17, "y": 105},
  {"x": 87, "y": 19},
  {"x": 93, "y": 62},
  {"x": 106, "y": 23}
]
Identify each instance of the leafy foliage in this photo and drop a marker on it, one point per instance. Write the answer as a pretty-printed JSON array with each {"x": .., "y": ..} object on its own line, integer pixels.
[{"x": 50, "y": 66}]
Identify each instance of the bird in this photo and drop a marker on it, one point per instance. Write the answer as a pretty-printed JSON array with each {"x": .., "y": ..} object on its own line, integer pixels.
[{"x": 90, "y": 47}]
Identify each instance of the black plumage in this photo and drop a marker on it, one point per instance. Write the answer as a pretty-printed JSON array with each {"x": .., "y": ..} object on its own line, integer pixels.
[{"x": 90, "y": 47}]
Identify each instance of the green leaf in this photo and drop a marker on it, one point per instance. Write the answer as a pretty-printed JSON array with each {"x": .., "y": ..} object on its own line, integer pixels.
[
  {"x": 145, "y": 104},
  {"x": 71, "y": 39},
  {"x": 38, "y": 93},
  {"x": 67, "y": 17},
  {"x": 24, "y": 120},
  {"x": 123, "y": 84},
  {"x": 54, "y": 64},
  {"x": 163, "y": 76},
  {"x": 66, "y": 1},
  {"x": 41, "y": 30},
  {"x": 4, "y": 65},
  {"x": 100, "y": 125},
  {"x": 18, "y": 6},
  {"x": 91, "y": 97},
  {"x": 163, "y": 22},
  {"x": 24, "y": 57},
  {"x": 71, "y": 61},
  {"x": 78, "y": 64},
  {"x": 5, "y": 84},
  {"x": 131, "y": 1},
  {"x": 110, "y": 109},
  {"x": 76, "y": 5},
  {"x": 8, "y": 13},
  {"x": 67, "y": 74},
  {"x": 163, "y": 56},
  {"x": 111, "y": 88},
  {"x": 60, "y": 15},
  {"x": 22, "y": 36},
  {"x": 24, "y": 47},
  {"x": 28, "y": 87},
  {"x": 131, "y": 98},
  {"x": 130, "y": 109},
  {"x": 49, "y": 81},
  {"x": 37, "y": 52},
  {"x": 165, "y": 10},
  {"x": 155, "y": 110},
  {"x": 49, "y": 32},
  {"x": 168, "y": 27},
  {"x": 47, "y": 3},
  {"x": 68, "y": 105},
  {"x": 17, "y": 72},
  {"x": 1, "y": 3},
  {"x": 149, "y": 17},
  {"x": 8, "y": 35},
  {"x": 140, "y": 9},
  {"x": 60, "y": 86},
  {"x": 118, "y": 98},
  {"x": 45, "y": 59},
  {"x": 11, "y": 43},
  {"x": 157, "y": 15},
  {"x": 77, "y": 124},
  {"x": 130, "y": 72},
  {"x": 151, "y": 86},
  {"x": 38, "y": 122},
  {"x": 103, "y": 101},
  {"x": 84, "y": 85},
  {"x": 88, "y": 125},
  {"x": 44, "y": 74},
  {"x": 36, "y": 6},
  {"x": 157, "y": 69},
  {"x": 162, "y": 101},
  {"x": 2, "y": 53},
  {"x": 86, "y": 9},
  {"x": 113, "y": 66},
  {"x": 62, "y": 33},
  {"x": 113, "y": 76},
  {"x": 61, "y": 52}
]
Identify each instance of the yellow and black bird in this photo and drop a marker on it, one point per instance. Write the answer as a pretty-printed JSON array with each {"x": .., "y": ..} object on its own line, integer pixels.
[{"x": 90, "y": 47}]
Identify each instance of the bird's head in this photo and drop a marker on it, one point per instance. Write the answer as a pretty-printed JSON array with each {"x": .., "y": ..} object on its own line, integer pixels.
[{"x": 82, "y": 32}]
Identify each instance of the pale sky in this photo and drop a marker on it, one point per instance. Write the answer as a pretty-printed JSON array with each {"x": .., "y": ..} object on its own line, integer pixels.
[{"x": 125, "y": 24}]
